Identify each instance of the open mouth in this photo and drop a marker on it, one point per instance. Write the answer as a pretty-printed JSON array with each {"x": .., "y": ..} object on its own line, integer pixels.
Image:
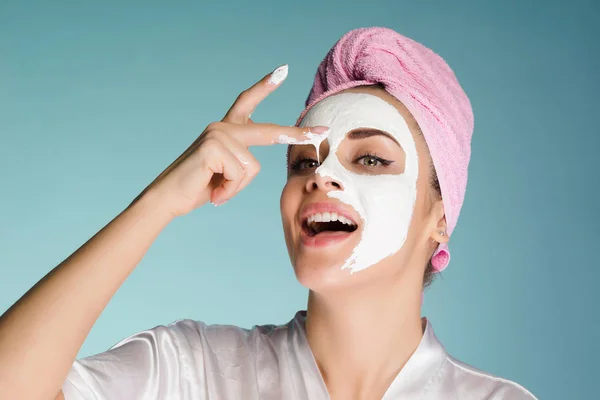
[{"x": 327, "y": 224}]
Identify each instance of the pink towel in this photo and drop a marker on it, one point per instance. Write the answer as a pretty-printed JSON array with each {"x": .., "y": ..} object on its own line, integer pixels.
[{"x": 426, "y": 85}]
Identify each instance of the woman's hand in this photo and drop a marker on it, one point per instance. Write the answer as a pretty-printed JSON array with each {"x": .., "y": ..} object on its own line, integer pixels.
[{"x": 218, "y": 164}]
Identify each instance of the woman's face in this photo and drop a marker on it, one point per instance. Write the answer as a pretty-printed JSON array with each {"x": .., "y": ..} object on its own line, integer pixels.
[{"x": 362, "y": 208}]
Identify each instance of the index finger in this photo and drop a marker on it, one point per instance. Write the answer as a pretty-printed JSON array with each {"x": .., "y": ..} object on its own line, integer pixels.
[
  {"x": 268, "y": 134},
  {"x": 250, "y": 98}
]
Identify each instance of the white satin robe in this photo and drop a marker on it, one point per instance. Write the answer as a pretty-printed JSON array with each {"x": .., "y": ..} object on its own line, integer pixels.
[{"x": 192, "y": 360}]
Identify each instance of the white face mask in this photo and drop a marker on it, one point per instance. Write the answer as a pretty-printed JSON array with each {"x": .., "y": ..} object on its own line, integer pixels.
[{"x": 385, "y": 203}]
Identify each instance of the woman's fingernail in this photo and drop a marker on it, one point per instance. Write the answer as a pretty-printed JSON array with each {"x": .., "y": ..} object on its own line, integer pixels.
[
  {"x": 219, "y": 202},
  {"x": 278, "y": 75},
  {"x": 318, "y": 129},
  {"x": 242, "y": 160}
]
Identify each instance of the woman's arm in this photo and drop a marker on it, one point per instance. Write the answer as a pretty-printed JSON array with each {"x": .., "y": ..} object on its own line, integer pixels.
[{"x": 41, "y": 333}]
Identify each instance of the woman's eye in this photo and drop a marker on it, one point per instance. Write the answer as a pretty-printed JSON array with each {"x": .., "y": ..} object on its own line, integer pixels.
[
  {"x": 369, "y": 161},
  {"x": 303, "y": 164},
  {"x": 372, "y": 161}
]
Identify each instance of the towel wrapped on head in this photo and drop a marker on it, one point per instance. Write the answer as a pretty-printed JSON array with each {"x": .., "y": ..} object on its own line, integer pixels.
[{"x": 426, "y": 85}]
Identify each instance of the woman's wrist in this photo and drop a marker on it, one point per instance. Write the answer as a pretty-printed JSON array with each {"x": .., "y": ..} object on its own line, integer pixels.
[{"x": 152, "y": 204}]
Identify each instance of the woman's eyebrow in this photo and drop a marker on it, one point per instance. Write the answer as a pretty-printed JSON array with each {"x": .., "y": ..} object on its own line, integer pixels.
[{"x": 363, "y": 133}]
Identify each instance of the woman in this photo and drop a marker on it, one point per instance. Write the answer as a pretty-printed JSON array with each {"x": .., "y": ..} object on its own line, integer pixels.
[{"x": 376, "y": 177}]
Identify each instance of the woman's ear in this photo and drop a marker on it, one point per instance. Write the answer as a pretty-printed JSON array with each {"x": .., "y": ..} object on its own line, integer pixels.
[{"x": 437, "y": 221}]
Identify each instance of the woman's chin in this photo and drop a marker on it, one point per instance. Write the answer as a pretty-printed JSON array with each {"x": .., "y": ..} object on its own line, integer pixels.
[
  {"x": 318, "y": 265},
  {"x": 321, "y": 274}
]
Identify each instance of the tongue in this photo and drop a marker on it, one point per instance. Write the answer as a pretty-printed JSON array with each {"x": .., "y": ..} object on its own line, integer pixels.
[{"x": 332, "y": 233}]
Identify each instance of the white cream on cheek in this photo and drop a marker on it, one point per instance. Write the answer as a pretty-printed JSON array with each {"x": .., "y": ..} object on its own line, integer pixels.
[{"x": 384, "y": 202}]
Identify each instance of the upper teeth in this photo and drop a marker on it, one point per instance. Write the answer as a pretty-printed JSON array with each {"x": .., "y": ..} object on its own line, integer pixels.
[{"x": 328, "y": 217}]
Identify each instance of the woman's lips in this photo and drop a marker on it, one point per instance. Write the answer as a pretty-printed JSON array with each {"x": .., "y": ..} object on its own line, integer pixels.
[{"x": 325, "y": 238}]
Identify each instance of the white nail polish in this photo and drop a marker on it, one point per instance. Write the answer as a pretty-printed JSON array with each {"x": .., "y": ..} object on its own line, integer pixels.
[{"x": 278, "y": 75}]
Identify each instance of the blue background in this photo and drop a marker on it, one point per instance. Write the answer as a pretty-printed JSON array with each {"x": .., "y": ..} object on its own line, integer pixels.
[{"x": 97, "y": 99}]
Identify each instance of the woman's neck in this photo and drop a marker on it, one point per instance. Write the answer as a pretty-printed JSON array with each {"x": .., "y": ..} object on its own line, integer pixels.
[{"x": 362, "y": 338}]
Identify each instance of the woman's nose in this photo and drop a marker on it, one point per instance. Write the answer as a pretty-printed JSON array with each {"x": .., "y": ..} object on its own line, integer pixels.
[{"x": 324, "y": 183}]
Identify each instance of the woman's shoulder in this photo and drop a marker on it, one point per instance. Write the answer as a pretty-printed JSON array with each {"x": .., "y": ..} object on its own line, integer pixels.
[
  {"x": 190, "y": 326},
  {"x": 185, "y": 351},
  {"x": 468, "y": 380},
  {"x": 194, "y": 333}
]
